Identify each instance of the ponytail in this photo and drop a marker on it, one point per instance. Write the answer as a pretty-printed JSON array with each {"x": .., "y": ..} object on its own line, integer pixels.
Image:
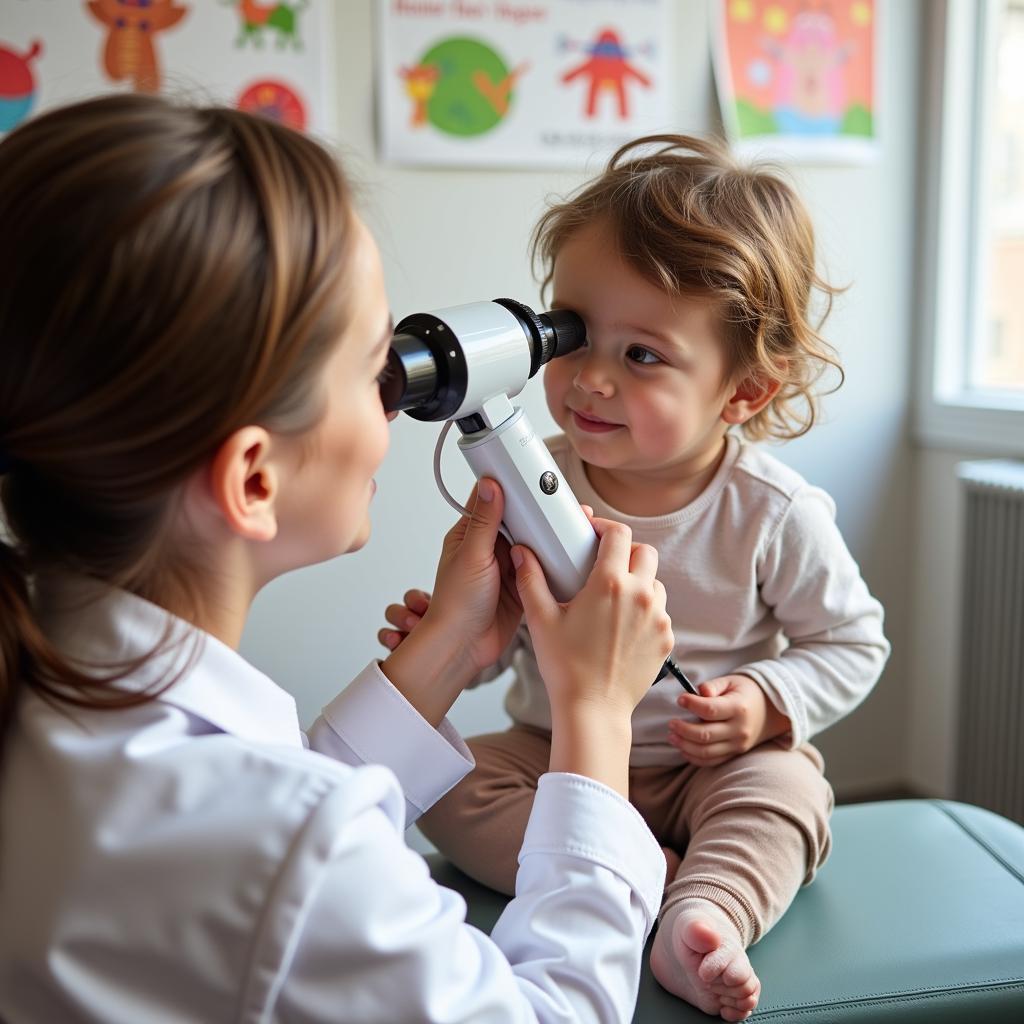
[{"x": 29, "y": 661}]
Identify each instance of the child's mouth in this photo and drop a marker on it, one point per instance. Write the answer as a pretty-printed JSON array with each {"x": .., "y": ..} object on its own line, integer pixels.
[{"x": 592, "y": 425}]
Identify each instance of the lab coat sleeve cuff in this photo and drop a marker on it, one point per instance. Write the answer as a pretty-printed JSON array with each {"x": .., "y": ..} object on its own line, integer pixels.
[
  {"x": 370, "y": 722},
  {"x": 577, "y": 816}
]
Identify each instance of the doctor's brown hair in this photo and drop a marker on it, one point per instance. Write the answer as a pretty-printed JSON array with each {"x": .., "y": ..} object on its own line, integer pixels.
[
  {"x": 170, "y": 274},
  {"x": 694, "y": 222}
]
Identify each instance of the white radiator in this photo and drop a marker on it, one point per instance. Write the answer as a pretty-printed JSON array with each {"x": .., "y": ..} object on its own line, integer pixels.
[{"x": 990, "y": 765}]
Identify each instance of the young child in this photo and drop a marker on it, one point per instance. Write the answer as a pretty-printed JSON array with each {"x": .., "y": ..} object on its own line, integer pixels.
[{"x": 695, "y": 278}]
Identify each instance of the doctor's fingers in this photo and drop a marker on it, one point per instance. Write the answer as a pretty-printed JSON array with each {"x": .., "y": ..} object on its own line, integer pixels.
[
  {"x": 643, "y": 562},
  {"x": 614, "y": 549}
]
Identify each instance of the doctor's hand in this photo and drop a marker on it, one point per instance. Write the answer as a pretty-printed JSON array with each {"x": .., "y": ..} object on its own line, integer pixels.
[
  {"x": 598, "y": 652},
  {"x": 735, "y": 716},
  {"x": 405, "y": 617},
  {"x": 471, "y": 615}
]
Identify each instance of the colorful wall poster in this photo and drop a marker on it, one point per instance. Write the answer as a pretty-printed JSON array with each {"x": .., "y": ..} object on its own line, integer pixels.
[
  {"x": 18, "y": 86},
  {"x": 273, "y": 57},
  {"x": 545, "y": 83},
  {"x": 796, "y": 78}
]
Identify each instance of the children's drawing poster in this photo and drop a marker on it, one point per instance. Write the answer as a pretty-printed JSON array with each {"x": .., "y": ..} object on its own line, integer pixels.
[
  {"x": 509, "y": 83},
  {"x": 271, "y": 57},
  {"x": 796, "y": 78}
]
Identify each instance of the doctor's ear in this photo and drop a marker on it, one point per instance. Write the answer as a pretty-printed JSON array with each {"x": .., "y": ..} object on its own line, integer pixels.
[
  {"x": 749, "y": 396},
  {"x": 243, "y": 484}
]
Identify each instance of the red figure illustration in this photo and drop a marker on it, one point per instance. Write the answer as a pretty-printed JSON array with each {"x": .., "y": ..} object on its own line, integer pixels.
[
  {"x": 607, "y": 68},
  {"x": 132, "y": 24},
  {"x": 419, "y": 85}
]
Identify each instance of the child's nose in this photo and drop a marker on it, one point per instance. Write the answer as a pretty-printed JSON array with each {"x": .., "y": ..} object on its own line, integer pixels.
[{"x": 592, "y": 378}]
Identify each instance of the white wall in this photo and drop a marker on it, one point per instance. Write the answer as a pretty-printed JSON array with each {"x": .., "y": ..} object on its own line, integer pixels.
[{"x": 455, "y": 236}]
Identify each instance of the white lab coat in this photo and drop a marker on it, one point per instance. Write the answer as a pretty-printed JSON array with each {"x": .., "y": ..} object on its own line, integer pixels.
[{"x": 197, "y": 858}]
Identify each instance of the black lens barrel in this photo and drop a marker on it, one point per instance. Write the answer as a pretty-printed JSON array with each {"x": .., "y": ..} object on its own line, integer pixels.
[
  {"x": 551, "y": 334},
  {"x": 568, "y": 330},
  {"x": 411, "y": 375}
]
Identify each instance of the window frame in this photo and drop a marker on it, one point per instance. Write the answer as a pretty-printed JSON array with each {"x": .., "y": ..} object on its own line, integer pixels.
[{"x": 954, "y": 278}]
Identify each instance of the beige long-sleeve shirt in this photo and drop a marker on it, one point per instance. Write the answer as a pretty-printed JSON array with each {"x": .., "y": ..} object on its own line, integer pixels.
[{"x": 759, "y": 582}]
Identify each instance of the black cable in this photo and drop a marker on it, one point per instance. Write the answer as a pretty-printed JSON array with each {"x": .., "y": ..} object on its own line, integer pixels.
[{"x": 671, "y": 668}]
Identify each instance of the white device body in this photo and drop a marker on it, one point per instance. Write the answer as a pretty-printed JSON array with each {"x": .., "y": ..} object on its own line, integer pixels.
[
  {"x": 552, "y": 525},
  {"x": 491, "y": 339}
]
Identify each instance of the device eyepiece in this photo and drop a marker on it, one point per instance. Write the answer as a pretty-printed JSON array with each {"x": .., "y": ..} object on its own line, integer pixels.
[{"x": 567, "y": 329}]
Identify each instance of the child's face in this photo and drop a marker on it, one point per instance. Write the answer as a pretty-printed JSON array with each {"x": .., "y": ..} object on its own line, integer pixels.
[
  {"x": 324, "y": 511},
  {"x": 647, "y": 391}
]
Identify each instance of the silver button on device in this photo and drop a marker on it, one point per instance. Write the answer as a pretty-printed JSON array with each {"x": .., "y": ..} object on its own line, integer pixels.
[{"x": 548, "y": 482}]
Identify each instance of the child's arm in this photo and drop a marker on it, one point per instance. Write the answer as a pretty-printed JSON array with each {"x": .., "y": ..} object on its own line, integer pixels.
[
  {"x": 836, "y": 652},
  {"x": 836, "y": 649}
]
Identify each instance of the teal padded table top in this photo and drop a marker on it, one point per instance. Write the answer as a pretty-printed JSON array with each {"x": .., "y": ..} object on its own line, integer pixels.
[{"x": 918, "y": 916}]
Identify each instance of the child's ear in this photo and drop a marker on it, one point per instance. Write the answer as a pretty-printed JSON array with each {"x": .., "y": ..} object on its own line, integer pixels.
[
  {"x": 748, "y": 398},
  {"x": 244, "y": 484}
]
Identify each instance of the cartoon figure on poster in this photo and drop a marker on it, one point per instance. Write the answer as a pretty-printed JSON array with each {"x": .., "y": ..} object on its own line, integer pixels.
[
  {"x": 276, "y": 100},
  {"x": 17, "y": 84},
  {"x": 132, "y": 26},
  {"x": 461, "y": 86},
  {"x": 607, "y": 70},
  {"x": 809, "y": 87},
  {"x": 258, "y": 18},
  {"x": 798, "y": 73}
]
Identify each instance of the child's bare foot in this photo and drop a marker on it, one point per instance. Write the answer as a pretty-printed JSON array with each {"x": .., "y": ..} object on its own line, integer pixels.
[{"x": 698, "y": 955}]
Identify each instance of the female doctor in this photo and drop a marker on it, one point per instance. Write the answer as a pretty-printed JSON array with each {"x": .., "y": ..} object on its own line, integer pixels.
[{"x": 193, "y": 323}]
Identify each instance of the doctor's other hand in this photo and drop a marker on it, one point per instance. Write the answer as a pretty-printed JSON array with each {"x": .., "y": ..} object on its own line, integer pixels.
[
  {"x": 600, "y": 650},
  {"x": 405, "y": 617}
]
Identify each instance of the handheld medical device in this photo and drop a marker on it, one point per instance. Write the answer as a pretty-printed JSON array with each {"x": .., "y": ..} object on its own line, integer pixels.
[{"x": 465, "y": 364}]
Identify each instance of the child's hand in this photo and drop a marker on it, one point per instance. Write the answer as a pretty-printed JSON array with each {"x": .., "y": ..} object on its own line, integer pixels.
[
  {"x": 736, "y": 716},
  {"x": 404, "y": 617}
]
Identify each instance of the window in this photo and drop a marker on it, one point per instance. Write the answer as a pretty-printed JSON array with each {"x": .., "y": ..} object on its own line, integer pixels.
[
  {"x": 997, "y": 354},
  {"x": 972, "y": 386}
]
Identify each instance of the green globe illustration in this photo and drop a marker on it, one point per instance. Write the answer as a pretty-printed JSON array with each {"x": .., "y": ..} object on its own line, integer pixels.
[{"x": 467, "y": 69}]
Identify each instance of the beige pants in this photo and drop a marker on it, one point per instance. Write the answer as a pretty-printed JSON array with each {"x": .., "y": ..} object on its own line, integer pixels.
[{"x": 750, "y": 831}]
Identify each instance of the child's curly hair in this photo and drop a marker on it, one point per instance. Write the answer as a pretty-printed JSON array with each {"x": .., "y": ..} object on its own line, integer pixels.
[{"x": 693, "y": 221}]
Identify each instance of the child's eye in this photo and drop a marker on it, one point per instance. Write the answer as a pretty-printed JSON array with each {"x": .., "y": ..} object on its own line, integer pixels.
[{"x": 639, "y": 354}]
